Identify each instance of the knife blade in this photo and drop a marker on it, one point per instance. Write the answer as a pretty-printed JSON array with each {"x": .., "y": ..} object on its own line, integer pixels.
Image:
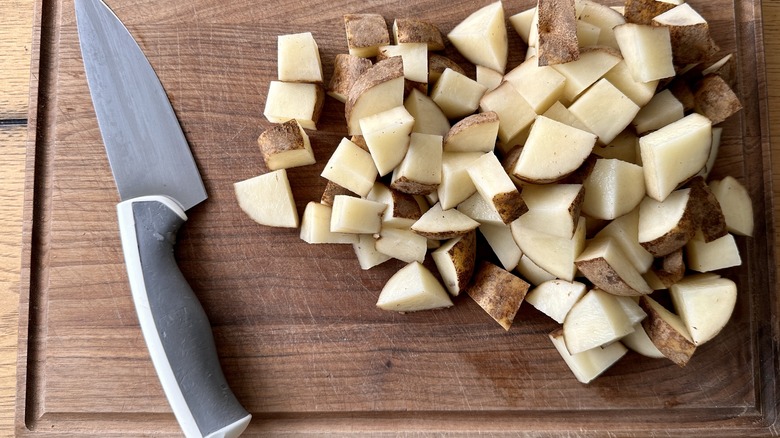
[{"x": 158, "y": 180}]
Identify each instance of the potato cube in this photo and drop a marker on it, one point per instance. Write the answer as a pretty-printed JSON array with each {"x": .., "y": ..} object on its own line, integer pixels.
[
  {"x": 285, "y": 145},
  {"x": 662, "y": 110},
  {"x": 414, "y": 56},
  {"x": 387, "y": 137},
  {"x": 604, "y": 110},
  {"x": 420, "y": 171},
  {"x": 499, "y": 292},
  {"x": 315, "y": 226},
  {"x": 292, "y": 100},
  {"x": 514, "y": 112},
  {"x": 365, "y": 33},
  {"x": 346, "y": 70},
  {"x": 456, "y": 94},
  {"x": 647, "y": 51},
  {"x": 356, "y": 215},
  {"x": 412, "y": 30},
  {"x": 351, "y": 167},
  {"x": 298, "y": 58}
]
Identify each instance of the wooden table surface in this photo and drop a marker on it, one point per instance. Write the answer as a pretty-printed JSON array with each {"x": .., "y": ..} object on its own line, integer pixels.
[{"x": 16, "y": 18}]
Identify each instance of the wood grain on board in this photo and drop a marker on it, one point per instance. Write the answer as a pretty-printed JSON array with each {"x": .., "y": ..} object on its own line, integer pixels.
[{"x": 299, "y": 337}]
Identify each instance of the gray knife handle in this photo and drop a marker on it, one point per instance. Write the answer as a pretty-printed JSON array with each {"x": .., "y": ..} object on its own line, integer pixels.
[{"x": 175, "y": 327}]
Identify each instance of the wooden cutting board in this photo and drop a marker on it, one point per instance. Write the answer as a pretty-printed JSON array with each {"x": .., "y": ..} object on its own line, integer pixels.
[{"x": 299, "y": 337}]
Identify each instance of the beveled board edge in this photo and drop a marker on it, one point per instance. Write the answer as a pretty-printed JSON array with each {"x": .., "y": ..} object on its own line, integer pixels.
[{"x": 761, "y": 421}]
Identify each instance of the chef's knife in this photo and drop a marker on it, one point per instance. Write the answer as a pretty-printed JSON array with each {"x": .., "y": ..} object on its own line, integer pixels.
[{"x": 158, "y": 181}]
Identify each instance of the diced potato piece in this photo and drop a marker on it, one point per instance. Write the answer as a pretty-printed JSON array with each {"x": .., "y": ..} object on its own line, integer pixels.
[
  {"x": 366, "y": 253},
  {"x": 604, "y": 110},
  {"x": 365, "y": 33},
  {"x": 690, "y": 35},
  {"x": 420, "y": 171},
  {"x": 331, "y": 190},
  {"x": 402, "y": 209},
  {"x": 613, "y": 188},
  {"x": 356, "y": 215},
  {"x": 475, "y": 133},
  {"x": 640, "y": 92},
  {"x": 351, "y": 167},
  {"x": 557, "y": 206},
  {"x": 666, "y": 226},
  {"x": 414, "y": 56},
  {"x": 402, "y": 244},
  {"x": 412, "y": 30},
  {"x": 555, "y": 298},
  {"x": 713, "y": 221},
  {"x": 286, "y": 145},
  {"x": 597, "y": 319},
  {"x": 438, "y": 63},
  {"x": 540, "y": 86},
  {"x": 553, "y": 150},
  {"x": 387, "y": 136},
  {"x": 494, "y": 185},
  {"x": 589, "y": 68},
  {"x": 675, "y": 153},
  {"x": 514, "y": 112},
  {"x": 715, "y": 99},
  {"x": 292, "y": 100},
  {"x": 522, "y": 21},
  {"x": 553, "y": 254},
  {"x": 560, "y": 113},
  {"x": 455, "y": 261},
  {"x": 443, "y": 224},
  {"x": 428, "y": 117},
  {"x": 379, "y": 89},
  {"x": 482, "y": 38},
  {"x": 315, "y": 226},
  {"x": 725, "y": 67},
  {"x": 736, "y": 205},
  {"x": 705, "y": 304},
  {"x": 268, "y": 200},
  {"x": 639, "y": 342},
  {"x": 602, "y": 16},
  {"x": 643, "y": 11},
  {"x": 456, "y": 185},
  {"x": 477, "y": 208},
  {"x": 298, "y": 58},
  {"x": 489, "y": 77},
  {"x": 720, "y": 253},
  {"x": 662, "y": 110},
  {"x": 624, "y": 147},
  {"x": 587, "y": 34},
  {"x": 413, "y": 288},
  {"x": 532, "y": 272},
  {"x": 499, "y": 292},
  {"x": 717, "y": 132},
  {"x": 558, "y": 41},
  {"x": 624, "y": 231},
  {"x": 499, "y": 238},
  {"x": 667, "y": 331},
  {"x": 456, "y": 94},
  {"x": 346, "y": 71},
  {"x": 589, "y": 364},
  {"x": 606, "y": 266},
  {"x": 647, "y": 51}
]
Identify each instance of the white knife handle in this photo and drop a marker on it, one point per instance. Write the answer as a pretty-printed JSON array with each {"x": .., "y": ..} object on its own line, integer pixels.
[{"x": 175, "y": 327}]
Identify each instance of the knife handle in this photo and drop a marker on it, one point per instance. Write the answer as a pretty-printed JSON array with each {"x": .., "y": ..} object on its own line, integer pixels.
[{"x": 175, "y": 327}]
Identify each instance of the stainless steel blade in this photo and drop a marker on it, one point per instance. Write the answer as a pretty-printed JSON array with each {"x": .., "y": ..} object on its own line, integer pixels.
[{"x": 146, "y": 147}]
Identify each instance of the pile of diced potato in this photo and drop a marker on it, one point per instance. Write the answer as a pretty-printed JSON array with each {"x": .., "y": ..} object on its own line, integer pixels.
[{"x": 585, "y": 168}]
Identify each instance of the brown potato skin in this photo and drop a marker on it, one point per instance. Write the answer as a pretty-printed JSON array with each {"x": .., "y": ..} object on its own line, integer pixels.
[
  {"x": 669, "y": 341},
  {"x": 691, "y": 44},
  {"x": 469, "y": 121},
  {"x": 604, "y": 277},
  {"x": 678, "y": 236},
  {"x": 499, "y": 292},
  {"x": 672, "y": 268},
  {"x": 366, "y": 30},
  {"x": 383, "y": 71},
  {"x": 643, "y": 11},
  {"x": 715, "y": 99},
  {"x": 280, "y": 137},
  {"x": 412, "y": 30},
  {"x": 347, "y": 69},
  {"x": 406, "y": 185},
  {"x": 713, "y": 222},
  {"x": 558, "y": 41},
  {"x": 331, "y": 190},
  {"x": 510, "y": 206},
  {"x": 464, "y": 258}
]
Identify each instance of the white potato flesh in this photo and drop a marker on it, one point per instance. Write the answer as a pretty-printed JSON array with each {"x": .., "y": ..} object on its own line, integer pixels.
[
  {"x": 624, "y": 147},
  {"x": 647, "y": 51},
  {"x": 315, "y": 226},
  {"x": 602, "y": 16},
  {"x": 736, "y": 204},
  {"x": 413, "y": 288},
  {"x": 532, "y": 272},
  {"x": 613, "y": 188},
  {"x": 489, "y": 77},
  {"x": 268, "y": 200},
  {"x": 495, "y": 186},
  {"x": 555, "y": 298},
  {"x": 499, "y": 238},
  {"x": 662, "y": 110},
  {"x": 656, "y": 219},
  {"x": 356, "y": 215},
  {"x": 475, "y": 133},
  {"x": 456, "y": 185},
  {"x": 675, "y": 153},
  {"x": 428, "y": 117},
  {"x": 718, "y": 254},
  {"x": 705, "y": 305},
  {"x": 443, "y": 224},
  {"x": 639, "y": 342},
  {"x": 286, "y": 145},
  {"x": 351, "y": 167},
  {"x": 553, "y": 254},
  {"x": 450, "y": 257},
  {"x": 380, "y": 97},
  {"x": 415, "y": 59},
  {"x": 366, "y": 253},
  {"x": 402, "y": 244},
  {"x": 595, "y": 320},
  {"x": 540, "y": 86},
  {"x": 514, "y": 112},
  {"x": 293, "y": 100},
  {"x": 560, "y": 113},
  {"x": 630, "y": 305},
  {"x": 619, "y": 276},
  {"x": 456, "y": 94},
  {"x": 604, "y": 110},
  {"x": 624, "y": 230},
  {"x": 298, "y": 58},
  {"x": 589, "y": 364},
  {"x": 402, "y": 209},
  {"x": 477, "y": 208},
  {"x": 640, "y": 92},
  {"x": 522, "y": 21},
  {"x": 420, "y": 170},
  {"x": 584, "y": 72},
  {"x": 387, "y": 137},
  {"x": 552, "y": 151},
  {"x": 587, "y": 34},
  {"x": 482, "y": 38}
]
